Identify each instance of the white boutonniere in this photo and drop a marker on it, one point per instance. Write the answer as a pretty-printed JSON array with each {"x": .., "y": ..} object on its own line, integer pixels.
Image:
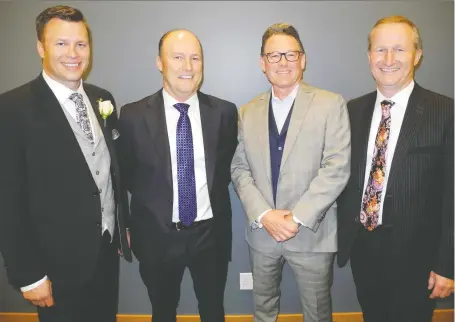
[{"x": 106, "y": 108}]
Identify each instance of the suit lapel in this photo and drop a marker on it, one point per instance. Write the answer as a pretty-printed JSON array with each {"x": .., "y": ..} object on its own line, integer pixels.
[
  {"x": 262, "y": 134},
  {"x": 210, "y": 121},
  {"x": 51, "y": 108},
  {"x": 155, "y": 118},
  {"x": 301, "y": 105},
  {"x": 363, "y": 135},
  {"x": 411, "y": 122},
  {"x": 92, "y": 95}
]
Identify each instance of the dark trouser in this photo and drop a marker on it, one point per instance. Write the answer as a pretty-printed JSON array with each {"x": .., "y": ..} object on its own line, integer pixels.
[
  {"x": 96, "y": 300},
  {"x": 193, "y": 248},
  {"x": 390, "y": 287}
]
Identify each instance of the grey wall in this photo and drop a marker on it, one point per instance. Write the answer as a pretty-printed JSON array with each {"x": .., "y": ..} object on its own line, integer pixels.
[{"x": 126, "y": 35}]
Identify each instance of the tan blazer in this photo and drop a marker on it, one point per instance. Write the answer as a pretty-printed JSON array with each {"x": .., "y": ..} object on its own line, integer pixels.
[{"x": 315, "y": 168}]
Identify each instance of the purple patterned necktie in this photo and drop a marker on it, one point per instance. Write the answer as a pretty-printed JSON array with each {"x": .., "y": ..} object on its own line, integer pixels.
[
  {"x": 81, "y": 115},
  {"x": 371, "y": 201},
  {"x": 185, "y": 167}
]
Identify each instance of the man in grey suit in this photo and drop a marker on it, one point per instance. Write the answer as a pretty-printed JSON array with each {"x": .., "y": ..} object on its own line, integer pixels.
[{"x": 291, "y": 164}]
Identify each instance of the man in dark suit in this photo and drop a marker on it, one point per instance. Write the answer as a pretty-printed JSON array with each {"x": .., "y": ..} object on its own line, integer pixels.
[
  {"x": 396, "y": 214},
  {"x": 176, "y": 148},
  {"x": 61, "y": 204}
]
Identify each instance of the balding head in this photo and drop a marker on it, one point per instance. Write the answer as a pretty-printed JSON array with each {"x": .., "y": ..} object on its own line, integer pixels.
[
  {"x": 180, "y": 62},
  {"x": 179, "y": 33}
]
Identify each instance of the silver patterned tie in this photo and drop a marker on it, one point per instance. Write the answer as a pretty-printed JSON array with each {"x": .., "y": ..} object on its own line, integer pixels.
[{"x": 82, "y": 115}]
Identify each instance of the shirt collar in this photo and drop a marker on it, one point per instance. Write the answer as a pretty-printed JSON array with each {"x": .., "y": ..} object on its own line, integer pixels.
[
  {"x": 169, "y": 101},
  {"x": 61, "y": 92},
  {"x": 290, "y": 97},
  {"x": 401, "y": 98}
]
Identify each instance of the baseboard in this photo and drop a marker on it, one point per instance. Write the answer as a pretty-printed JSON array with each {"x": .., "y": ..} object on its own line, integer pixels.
[{"x": 439, "y": 316}]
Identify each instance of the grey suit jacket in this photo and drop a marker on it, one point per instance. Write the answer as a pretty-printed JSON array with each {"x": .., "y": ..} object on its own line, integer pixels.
[{"x": 314, "y": 168}]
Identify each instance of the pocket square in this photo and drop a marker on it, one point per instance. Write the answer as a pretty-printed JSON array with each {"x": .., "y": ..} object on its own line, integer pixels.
[{"x": 115, "y": 134}]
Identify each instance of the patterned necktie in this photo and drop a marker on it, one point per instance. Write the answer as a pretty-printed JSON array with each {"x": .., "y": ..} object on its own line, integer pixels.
[
  {"x": 371, "y": 202},
  {"x": 185, "y": 167},
  {"x": 82, "y": 115}
]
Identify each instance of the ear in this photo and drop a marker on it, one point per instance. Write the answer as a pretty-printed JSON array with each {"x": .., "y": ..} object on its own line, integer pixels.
[
  {"x": 262, "y": 62},
  {"x": 303, "y": 61},
  {"x": 40, "y": 49},
  {"x": 417, "y": 57},
  {"x": 159, "y": 63},
  {"x": 369, "y": 57}
]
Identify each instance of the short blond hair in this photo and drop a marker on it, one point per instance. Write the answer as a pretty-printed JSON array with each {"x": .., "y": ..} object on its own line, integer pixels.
[{"x": 399, "y": 19}]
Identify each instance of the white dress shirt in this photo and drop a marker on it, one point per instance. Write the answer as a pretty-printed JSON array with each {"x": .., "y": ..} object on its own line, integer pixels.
[
  {"x": 397, "y": 112},
  {"x": 62, "y": 93},
  {"x": 281, "y": 109},
  {"x": 204, "y": 209}
]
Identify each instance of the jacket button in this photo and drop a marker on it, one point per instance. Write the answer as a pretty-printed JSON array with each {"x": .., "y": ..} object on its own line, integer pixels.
[
  {"x": 98, "y": 224},
  {"x": 356, "y": 219}
]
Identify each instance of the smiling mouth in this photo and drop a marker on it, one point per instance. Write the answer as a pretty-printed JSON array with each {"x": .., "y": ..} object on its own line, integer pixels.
[
  {"x": 71, "y": 65},
  {"x": 186, "y": 77},
  {"x": 389, "y": 70}
]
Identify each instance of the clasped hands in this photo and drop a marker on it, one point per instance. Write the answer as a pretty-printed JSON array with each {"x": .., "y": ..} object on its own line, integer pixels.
[{"x": 280, "y": 224}]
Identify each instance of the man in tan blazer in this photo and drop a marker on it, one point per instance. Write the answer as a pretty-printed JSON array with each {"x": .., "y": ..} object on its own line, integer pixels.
[{"x": 291, "y": 164}]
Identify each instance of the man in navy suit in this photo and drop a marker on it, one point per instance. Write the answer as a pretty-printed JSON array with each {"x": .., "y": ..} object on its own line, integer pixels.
[{"x": 176, "y": 150}]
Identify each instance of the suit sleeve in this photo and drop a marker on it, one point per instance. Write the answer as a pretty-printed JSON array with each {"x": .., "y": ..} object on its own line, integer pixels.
[
  {"x": 232, "y": 134},
  {"x": 334, "y": 172},
  {"x": 17, "y": 243},
  {"x": 126, "y": 148},
  {"x": 444, "y": 260},
  {"x": 252, "y": 200}
]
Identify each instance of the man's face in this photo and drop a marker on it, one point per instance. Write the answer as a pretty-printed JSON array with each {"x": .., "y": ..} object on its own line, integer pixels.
[
  {"x": 393, "y": 57},
  {"x": 65, "y": 51},
  {"x": 283, "y": 75},
  {"x": 180, "y": 63}
]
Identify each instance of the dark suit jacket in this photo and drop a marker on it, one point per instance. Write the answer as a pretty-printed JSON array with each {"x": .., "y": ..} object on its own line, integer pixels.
[
  {"x": 50, "y": 212},
  {"x": 146, "y": 167},
  {"x": 419, "y": 201}
]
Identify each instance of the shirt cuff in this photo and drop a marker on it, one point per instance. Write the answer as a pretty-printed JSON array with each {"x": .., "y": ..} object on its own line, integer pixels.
[
  {"x": 257, "y": 222},
  {"x": 297, "y": 220},
  {"x": 34, "y": 285}
]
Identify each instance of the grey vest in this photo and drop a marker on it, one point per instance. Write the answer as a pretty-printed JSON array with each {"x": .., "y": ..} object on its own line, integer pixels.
[{"x": 99, "y": 161}]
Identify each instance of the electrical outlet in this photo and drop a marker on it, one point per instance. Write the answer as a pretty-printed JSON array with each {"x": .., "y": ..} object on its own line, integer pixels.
[{"x": 246, "y": 281}]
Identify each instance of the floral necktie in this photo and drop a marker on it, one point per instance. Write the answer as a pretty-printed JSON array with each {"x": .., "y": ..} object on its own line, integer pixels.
[{"x": 371, "y": 201}]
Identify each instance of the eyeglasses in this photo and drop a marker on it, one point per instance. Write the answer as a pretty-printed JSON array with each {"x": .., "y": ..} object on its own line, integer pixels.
[{"x": 276, "y": 56}]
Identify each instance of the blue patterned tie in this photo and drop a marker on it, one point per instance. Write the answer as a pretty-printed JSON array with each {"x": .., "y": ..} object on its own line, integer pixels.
[{"x": 185, "y": 167}]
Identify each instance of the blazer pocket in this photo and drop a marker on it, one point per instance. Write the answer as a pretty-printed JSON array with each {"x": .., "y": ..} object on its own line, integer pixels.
[{"x": 434, "y": 150}]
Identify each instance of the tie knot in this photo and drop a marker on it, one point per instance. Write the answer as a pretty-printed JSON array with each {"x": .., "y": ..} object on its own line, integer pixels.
[
  {"x": 182, "y": 107},
  {"x": 386, "y": 105},
  {"x": 75, "y": 97}
]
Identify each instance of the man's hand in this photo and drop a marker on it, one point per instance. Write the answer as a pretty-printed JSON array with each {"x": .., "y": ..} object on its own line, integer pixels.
[
  {"x": 279, "y": 226},
  {"x": 129, "y": 242},
  {"x": 41, "y": 295},
  {"x": 442, "y": 286}
]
